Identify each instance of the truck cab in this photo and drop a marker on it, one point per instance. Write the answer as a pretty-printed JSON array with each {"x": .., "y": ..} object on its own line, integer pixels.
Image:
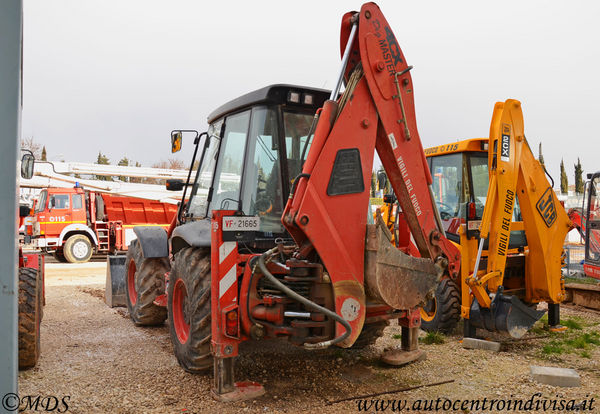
[{"x": 59, "y": 211}]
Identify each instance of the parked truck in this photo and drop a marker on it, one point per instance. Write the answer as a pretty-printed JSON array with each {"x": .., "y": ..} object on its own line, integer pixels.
[{"x": 73, "y": 223}]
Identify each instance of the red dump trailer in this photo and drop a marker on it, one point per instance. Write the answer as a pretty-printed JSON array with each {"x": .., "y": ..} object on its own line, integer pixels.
[{"x": 73, "y": 223}]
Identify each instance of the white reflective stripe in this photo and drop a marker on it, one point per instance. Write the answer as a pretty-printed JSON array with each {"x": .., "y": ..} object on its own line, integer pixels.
[
  {"x": 227, "y": 281},
  {"x": 225, "y": 249}
]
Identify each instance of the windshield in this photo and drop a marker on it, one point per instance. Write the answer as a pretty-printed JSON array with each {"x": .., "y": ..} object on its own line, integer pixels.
[
  {"x": 454, "y": 187},
  {"x": 41, "y": 204},
  {"x": 197, "y": 204},
  {"x": 297, "y": 127}
]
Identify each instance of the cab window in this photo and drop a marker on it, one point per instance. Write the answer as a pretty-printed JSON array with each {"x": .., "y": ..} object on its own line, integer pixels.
[
  {"x": 228, "y": 175},
  {"x": 41, "y": 204},
  {"x": 59, "y": 201},
  {"x": 77, "y": 203},
  {"x": 448, "y": 189},
  {"x": 593, "y": 222},
  {"x": 263, "y": 195}
]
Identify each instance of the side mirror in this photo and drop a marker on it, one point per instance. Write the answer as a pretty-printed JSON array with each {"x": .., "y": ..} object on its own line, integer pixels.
[
  {"x": 176, "y": 138},
  {"x": 24, "y": 211},
  {"x": 174, "y": 185},
  {"x": 27, "y": 162}
]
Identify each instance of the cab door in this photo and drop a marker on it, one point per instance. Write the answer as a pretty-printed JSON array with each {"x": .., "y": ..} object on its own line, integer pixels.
[{"x": 58, "y": 214}]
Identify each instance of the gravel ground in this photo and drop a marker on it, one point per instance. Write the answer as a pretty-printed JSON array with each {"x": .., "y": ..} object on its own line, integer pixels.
[{"x": 95, "y": 355}]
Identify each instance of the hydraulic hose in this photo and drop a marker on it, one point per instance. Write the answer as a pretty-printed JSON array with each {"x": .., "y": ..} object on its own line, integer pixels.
[{"x": 309, "y": 304}]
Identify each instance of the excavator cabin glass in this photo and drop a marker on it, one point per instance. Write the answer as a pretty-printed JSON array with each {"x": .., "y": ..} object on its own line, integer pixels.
[
  {"x": 460, "y": 186},
  {"x": 255, "y": 149}
]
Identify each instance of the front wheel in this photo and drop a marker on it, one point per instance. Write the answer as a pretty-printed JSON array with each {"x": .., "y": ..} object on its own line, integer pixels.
[
  {"x": 77, "y": 249},
  {"x": 30, "y": 316},
  {"x": 145, "y": 280},
  {"x": 442, "y": 313},
  {"x": 189, "y": 309}
]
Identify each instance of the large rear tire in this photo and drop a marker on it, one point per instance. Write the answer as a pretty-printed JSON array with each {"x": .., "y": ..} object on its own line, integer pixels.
[
  {"x": 77, "y": 249},
  {"x": 189, "y": 309},
  {"x": 442, "y": 313},
  {"x": 369, "y": 334},
  {"x": 30, "y": 316},
  {"x": 145, "y": 280}
]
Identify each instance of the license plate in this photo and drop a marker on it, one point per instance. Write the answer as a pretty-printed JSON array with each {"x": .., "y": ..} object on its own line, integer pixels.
[{"x": 243, "y": 223}]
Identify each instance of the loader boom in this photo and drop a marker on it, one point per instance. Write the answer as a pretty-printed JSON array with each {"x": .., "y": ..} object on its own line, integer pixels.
[{"x": 327, "y": 212}]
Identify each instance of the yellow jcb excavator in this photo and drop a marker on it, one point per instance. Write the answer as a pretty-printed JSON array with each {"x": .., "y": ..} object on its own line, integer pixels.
[{"x": 498, "y": 207}]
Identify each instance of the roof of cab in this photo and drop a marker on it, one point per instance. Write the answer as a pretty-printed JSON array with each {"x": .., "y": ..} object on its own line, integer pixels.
[
  {"x": 471, "y": 145},
  {"x": 273, "y": 94}
]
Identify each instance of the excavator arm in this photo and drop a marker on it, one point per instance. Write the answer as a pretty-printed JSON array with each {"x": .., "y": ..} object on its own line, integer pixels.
[
  {"x": 326, "y": 213},
  {"x": 515, "y": 174}
]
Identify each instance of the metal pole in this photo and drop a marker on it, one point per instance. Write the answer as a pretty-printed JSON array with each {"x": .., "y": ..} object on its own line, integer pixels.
[
  {"x": 338, "y": 85},
  {"x": 11, "y": 12}
]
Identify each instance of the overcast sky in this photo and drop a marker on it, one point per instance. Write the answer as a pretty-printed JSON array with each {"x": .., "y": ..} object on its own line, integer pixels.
[{"x": 118, "y": 76}]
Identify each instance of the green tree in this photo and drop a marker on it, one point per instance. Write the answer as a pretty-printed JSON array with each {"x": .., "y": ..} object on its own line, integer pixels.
[
  {"x": 102, "y": 160},
  {"x": 564, "y": 181},
  {"x": 124, "y": 162},
  {"x": 541, "y": 157},
  {"x": 43, "y": 157},
  {"x": 578, "y": 177},
  {"x": 373, "y": 183},
  {"x": 135, "y": 179}
]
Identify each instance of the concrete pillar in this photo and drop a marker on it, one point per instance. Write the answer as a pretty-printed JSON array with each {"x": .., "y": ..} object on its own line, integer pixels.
[{"x": 11, "y": 12}]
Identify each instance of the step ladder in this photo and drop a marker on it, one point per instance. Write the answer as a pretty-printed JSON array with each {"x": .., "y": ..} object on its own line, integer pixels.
[{"x": 102, "y": 233}]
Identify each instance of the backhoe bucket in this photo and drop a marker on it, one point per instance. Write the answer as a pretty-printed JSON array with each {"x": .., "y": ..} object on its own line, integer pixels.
[
  {"x": 506, "y": 314},
  {"x": 114, "y": 294},
  {"x": 393, "y": 277}
]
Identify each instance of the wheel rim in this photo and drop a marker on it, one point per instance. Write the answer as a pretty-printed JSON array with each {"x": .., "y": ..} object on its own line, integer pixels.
[
  {"x": 182, "y": 328},
  {"x": 80, "y": 249},
  {"x": 131, "y": 282},
  {"x": 428, "y": 311}
]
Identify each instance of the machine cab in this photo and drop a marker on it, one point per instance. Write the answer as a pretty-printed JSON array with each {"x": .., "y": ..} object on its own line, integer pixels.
[
  {"x": 592, "y": 227},
  {"x": 253, "y": 151},
  {"x": 460, "y": 185}
]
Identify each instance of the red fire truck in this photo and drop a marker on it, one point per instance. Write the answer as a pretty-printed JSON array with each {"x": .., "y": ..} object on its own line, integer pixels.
[{"x": 73, "y": 223}]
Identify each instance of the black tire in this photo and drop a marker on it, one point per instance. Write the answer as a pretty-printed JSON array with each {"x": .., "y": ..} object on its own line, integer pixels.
[
  {"x": 369, "y": 334},
  {"x": 60, "y": 256},
  {"x": 30, "y": 317},
  {"x": 442, "y": 313},
  {"x": 144, "y": 281},
  {"x": 77, "y": 249},
  {"x": 189, "y": 309}
]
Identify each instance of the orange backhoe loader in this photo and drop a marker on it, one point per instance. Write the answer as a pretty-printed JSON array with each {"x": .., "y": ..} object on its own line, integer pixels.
[{"x": 272, "y": 240}]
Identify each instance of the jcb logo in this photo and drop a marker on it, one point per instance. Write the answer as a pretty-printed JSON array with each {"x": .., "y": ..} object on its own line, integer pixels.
[{"x": 546, "y": 208}]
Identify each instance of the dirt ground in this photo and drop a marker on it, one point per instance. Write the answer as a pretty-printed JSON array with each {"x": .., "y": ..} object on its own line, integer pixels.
[{"x": 95, "y": 355}]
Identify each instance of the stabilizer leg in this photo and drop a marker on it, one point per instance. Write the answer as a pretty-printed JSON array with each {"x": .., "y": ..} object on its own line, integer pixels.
[
  {"x": 409, "y": 348},
  {"x": 554, "y": 318},
  {"x": 226, "y": 390}
]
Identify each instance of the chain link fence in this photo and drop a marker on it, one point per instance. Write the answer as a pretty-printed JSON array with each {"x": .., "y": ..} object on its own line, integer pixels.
[{"x": 574, "y": 257}]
